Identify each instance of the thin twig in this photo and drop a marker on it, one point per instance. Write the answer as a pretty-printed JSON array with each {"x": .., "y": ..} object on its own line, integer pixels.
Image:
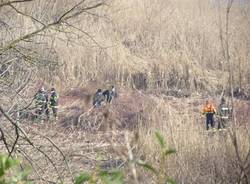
[
  {"x": 13, "y": 2},
  {"x": 15, "y": 142},
  {"x": 29, "y": 141},
  {"x": 4, "y": 140},
  {"x": 26, "y": 15},
  {"x": 64, "y": 157},
  {"x": 131, "y": 158},
  {"x": 64, "y": 17},
  {"x": 31, "y": 163},
  {"x": 83, "y": 114},
  {"x": 70, "y": 10}
]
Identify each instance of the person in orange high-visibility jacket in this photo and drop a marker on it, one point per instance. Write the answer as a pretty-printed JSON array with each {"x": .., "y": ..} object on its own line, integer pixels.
[{"x": 209, "y": 111}]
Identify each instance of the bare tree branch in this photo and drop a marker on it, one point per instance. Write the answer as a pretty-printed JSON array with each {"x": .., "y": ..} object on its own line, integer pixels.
[
  {"x": 58, "y": 22},
  {"x": 4, "y": 140},
  {"x": 26, "y": 15},
  {"x": 85, "y": 33},
  {"x": 70, "y": 10},
  {"x": 31, "y": 164},
  {"x": 61, "y": 152},
  {"x": 83, "y": 10},
  {"x": 13, "y": 2},
  {"x": 30, "y": 142},
  {"x": 15, "y": 125},
  {"x": 15, "y": 142}
]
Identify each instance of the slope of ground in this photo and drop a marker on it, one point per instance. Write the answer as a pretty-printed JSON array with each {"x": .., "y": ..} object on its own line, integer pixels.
[{"x": 89, "y": 137}]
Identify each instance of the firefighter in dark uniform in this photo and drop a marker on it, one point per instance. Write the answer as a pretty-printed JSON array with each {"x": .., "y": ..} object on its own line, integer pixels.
[
  {"x": 223, "y": 114},
  {"x": 41, "y": 101},
  {"x": 54, "y": 102}
]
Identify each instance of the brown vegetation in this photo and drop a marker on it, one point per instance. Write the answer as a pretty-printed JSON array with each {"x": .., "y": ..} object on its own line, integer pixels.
[{"x": 165, "y": 58}]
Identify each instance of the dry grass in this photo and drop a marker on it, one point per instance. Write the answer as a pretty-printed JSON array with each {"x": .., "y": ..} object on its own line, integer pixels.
[
  {"x": 201, "y": 157},
  {"x": 156, "y": 46},
  {"x": 153, "y": 37}
]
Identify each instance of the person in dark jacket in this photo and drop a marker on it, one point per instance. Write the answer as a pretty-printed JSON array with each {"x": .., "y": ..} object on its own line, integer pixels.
[
  {"x": 98, "y": 98},
  {"x": 54, "y": 102},
  {"x": 109, "y": 94}
]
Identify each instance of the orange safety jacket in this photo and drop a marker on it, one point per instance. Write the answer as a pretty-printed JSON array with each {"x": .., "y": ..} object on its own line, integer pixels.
[{"x": 209, "y": 108}]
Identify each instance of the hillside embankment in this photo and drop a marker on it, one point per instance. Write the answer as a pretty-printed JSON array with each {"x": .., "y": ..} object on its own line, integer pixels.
[{"x": 96, "y": 137}]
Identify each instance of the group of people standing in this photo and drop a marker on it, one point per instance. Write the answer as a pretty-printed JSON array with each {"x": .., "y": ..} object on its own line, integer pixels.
[
  {"x": 45, "y": 102},
  {"x": 106, "y": 95},
  {"x": 223, "y": 114}
]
